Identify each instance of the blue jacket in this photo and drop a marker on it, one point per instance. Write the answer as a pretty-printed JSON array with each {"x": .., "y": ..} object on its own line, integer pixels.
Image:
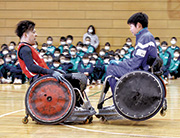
[{"x": 145, "y": 47}]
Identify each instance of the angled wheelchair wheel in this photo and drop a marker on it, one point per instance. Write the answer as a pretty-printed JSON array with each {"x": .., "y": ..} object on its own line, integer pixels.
[
  {"x": 138, "y": 95},
  {"x": 49, "y": 101}
]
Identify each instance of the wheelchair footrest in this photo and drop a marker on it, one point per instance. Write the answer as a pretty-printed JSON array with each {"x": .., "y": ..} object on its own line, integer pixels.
[
  {"x": 81, "y": 115},
  {"x": 109, "y": 113}
]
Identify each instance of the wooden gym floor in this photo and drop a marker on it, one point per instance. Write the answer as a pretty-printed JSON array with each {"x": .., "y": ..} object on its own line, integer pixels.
[{"x": 12, "y": 111}]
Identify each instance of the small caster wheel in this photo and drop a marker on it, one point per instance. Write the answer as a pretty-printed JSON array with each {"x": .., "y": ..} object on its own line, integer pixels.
[
  {"x": 163, "y": 112},
  {"x": 25, "y": 120},
  {"x": 86, "y": 121},
  {"x": 90, "y": 119}
]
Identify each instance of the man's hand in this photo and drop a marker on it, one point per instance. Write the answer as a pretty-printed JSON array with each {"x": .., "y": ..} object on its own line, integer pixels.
[{"x": 58, "y": 76}]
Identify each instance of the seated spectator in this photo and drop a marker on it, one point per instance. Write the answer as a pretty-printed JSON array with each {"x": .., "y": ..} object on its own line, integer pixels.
[
  {"x": 5, "y": 51},
  {"x": 18, "y": 77},
  {"x": 62, "y": 43},
  {"x": 57, "y": 52},
  {"x": 65, "y": 47},
  {"x": 106, "y": 64},
  {"x": 129, "y": 44},
  {"x": 56, "y": 64},
  {"x": 4, "y": 46},
  {"x": 173, "y": 68},
  {"x": 90, "y": 48},
  {"x": 50, "y": 47},
  {"x": 65, "y": 52},
  {"x": 12, "y": 46},
  {"x": 13, "y": 57},
  {"x": 86, "y": 67},
  {"x": 92, "y": 34},
  {"x": 158, "y": 44},
  {"x": 75, "y": 59},
  {"x": 7, "y": 67},
  {"x": 42, "y": 52},
  {"x": 166, "y": 57},
  {"x": 66, "y": 65},
  {"x": 117, "y": 57},
  {"x": 111, "y": 54},
  {"x": 117, "y": 51},
  {"x": 45, "y": 57},
  {"x": 95, "y": 55},
  {"x": 79, "y": 47},
  {"x": 122, "y": 53},
  {"x": 44, "y": 49},
  {"x": 98, "y": 71},
  {"x": 69, "y": 41},
  {"x": 107, "y": 47},
  {"x": 173, "y": 47},
  {"x": 3, "y": 73},
  {"x": 50, "y": 61},
  {"x": 127, "y": 54}
]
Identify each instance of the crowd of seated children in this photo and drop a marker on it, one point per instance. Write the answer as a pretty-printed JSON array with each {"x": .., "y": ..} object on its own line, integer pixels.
[
  {"x": 84, "y": 58},
  {"x": 171, "y": 59}
]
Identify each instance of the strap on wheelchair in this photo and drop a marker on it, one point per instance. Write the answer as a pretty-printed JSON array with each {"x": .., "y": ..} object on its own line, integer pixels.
[{"x": 155, "y": 64}]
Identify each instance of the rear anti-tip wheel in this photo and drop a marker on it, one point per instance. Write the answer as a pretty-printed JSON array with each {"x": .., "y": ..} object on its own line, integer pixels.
[
  {"x": 25, "y": 120},
  {"x": 163, "y": 112}
]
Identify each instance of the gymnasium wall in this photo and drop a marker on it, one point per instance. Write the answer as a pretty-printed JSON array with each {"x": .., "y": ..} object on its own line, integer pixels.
[{"x": 63, "y": 17}]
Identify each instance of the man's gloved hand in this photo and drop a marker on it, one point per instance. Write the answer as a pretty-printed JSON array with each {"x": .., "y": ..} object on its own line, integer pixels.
[
  {"x": 114, "y": 62},
  {"x": 58, "y": 76}
]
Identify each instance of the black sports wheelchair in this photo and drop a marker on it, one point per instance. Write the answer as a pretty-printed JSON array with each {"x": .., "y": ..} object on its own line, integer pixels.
[{"x": 138, "y": 95}]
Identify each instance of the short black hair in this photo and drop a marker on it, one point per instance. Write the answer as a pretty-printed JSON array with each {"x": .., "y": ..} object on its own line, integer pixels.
[
  {"x": 12, "y": 42},
  {"x": 86, "y": 56},
  {"x": 69, "y": 36},
  {"x": 117, "y": 51},
  {"x": 177, "y": 50},
  {"x": 57, "y": 49},
  {"x": 24, "y": 26},
  {"x": 68, "y": 56},
  {"x": 55, "y": 59},
  {"x": 44, "y": 44},
  {"x": 174, "y": 38},
  {"x": 128, "y": 39},
  {"x": 4, "y": 46},
  {"x": 140, "y": 17},
  {"x": 106, "y": 56},
  {"x": 157, "y": 38},
  {"x": 164, "y": 43},
  {"x": 65, "y": 50},
  {"x": 73, "y": 47},
  {"x": 49, "y": 37},
  {"x": 63, "y": 38},
  {"x": 88, "y": 37},
  {"x": 107, "y": 44},
  {"x": 111, "y": 53},
  {"x": 79, "y": 43}
]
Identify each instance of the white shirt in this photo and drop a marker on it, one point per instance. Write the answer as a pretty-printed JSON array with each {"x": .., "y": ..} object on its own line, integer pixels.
[{"x": 94, "y": 39}]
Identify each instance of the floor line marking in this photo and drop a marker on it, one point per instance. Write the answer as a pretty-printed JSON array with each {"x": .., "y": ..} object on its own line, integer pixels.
[
  {"x": 11, "y": 113},
  {"x": 115, "y": 133},
  {"x": 97, "y": 131}
]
